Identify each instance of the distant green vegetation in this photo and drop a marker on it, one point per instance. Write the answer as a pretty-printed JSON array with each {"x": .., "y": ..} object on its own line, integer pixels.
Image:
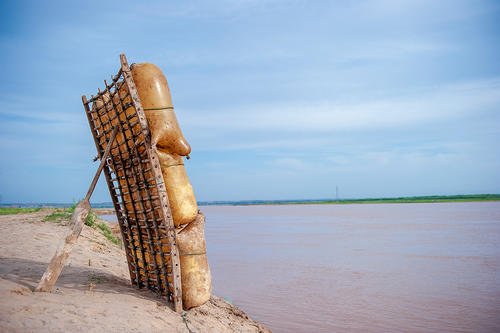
[
  {"x": 417, "y": 199},
  {"x": 420, "y": 199},
  {"x": 17, "y": 210}
]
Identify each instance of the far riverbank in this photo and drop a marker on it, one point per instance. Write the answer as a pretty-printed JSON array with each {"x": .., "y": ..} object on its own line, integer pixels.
[
  {"x": 7, "y": 208},
  {"x": 414, "y": 199}
]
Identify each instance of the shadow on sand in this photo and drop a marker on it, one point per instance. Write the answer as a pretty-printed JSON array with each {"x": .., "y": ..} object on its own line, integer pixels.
[{"x": 28, "y": 273}]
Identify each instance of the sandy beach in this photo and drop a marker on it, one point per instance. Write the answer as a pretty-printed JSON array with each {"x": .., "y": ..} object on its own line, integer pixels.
[{"x": 93, "y": 293}]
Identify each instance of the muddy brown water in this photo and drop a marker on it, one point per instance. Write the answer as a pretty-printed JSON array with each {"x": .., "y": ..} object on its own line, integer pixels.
[{"x": 360, "y": 267}]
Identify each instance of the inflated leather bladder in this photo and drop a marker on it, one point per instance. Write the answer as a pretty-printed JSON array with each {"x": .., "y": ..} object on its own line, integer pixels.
[
  {"x": 166, "y": 134},
  {"x": 155, "y": 97},
  {"x": 171, "y": 145},
  {"x": 180, "y": 192},
  {"x": 195, "y": 273}
]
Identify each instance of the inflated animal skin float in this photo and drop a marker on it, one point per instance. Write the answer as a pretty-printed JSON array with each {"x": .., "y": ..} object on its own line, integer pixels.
[{"x": 172, "y": 147}]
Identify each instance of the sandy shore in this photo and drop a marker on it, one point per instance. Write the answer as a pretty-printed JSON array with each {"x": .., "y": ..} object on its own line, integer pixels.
[{"x": 93, "y": 293}]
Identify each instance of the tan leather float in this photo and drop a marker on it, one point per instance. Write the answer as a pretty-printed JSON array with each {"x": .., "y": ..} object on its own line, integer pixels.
[
  {"x": 171, "y": 145},
  {"x": 166, "y": 134},
  {"x": 180, "y": 192},
  {"x": 155, "y": 97},
  {"x": 195, "y": 272}
]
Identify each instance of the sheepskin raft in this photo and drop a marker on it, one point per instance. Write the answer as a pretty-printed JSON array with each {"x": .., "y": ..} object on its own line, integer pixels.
[{"x": 134, "y": 176}]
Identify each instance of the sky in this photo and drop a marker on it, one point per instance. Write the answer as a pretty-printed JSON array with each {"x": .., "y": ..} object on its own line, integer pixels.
[{"x": 278, "y": 99}]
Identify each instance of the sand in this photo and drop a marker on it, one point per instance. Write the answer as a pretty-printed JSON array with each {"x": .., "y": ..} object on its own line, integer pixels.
[{"x": 93, "y": 293}]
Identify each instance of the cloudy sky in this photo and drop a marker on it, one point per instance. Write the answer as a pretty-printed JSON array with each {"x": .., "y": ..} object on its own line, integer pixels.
[{"x": 279, "y": 99}]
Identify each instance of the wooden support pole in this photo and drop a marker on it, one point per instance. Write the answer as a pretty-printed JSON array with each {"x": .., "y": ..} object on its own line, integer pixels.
[
  {"x": 79, "y": 216},
  {"x": 56, "y": 265}
]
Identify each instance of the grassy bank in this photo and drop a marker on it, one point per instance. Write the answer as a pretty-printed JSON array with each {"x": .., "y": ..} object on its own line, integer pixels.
[
  {"x": 93, "y": 221},
  {"x": 63, "y": 215}
]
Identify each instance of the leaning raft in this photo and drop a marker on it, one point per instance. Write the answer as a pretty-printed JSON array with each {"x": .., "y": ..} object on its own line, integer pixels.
[{"x": 136, "y": 185}]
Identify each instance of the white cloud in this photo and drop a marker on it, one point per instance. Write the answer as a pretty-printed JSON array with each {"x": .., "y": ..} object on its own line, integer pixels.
[{"x": 430, "y": 105}]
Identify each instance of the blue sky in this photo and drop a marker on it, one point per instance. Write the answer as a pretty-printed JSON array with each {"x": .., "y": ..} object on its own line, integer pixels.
[{"x": 278, "y": 99}]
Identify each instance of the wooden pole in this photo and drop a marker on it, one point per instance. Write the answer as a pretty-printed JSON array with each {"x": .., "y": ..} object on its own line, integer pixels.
[{"x": 79, "y": 216}]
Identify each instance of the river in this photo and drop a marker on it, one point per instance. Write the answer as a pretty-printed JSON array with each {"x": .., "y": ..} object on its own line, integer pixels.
[{"x": 360, "y": 267}]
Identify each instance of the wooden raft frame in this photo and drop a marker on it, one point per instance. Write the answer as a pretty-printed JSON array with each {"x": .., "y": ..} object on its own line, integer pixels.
[{"x": 136, "y": 185}]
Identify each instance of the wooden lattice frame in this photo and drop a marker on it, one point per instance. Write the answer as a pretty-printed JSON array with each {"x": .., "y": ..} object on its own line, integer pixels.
[{"x": 136, "y": 185}]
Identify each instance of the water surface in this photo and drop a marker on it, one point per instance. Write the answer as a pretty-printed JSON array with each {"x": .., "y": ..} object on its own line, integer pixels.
[
  {"x": 109, "y": 217},
  {"x": 364, "y": 268}
]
